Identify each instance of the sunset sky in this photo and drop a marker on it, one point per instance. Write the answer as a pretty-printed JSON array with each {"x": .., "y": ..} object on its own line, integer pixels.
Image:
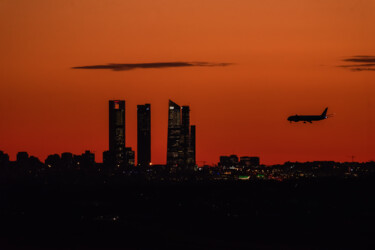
[{"x": 284, "y": 58}]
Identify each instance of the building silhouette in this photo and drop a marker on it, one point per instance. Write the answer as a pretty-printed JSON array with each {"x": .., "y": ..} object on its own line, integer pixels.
[
  {"x": 22, "y": 157},
  {"x": 117, "y": 132},
  {"x": 107, "y": 158},
  {"x": 185, "y": 134},
  {"x": 174, "y": 149},
  {"x": 4, "y": 159},
  {"x": 67, "y": 159},
  {"x": 244, "y": 161},
  {"x": 144, "y": 134},
  {"x": 228, "y": 161},
  {"x": 129, "y": 157},
  {"x": 180, "y": 143},
  {"x": 192, "y": 158},
  {"x": 249, "y": 161}
]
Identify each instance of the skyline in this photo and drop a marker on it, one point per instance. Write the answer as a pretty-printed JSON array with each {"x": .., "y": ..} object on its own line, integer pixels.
[
  {"x": 285, "y": 58},
  {"x": 183, "y": 138}
]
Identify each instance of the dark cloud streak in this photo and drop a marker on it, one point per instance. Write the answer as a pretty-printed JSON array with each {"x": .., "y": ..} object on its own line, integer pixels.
[
  {"x": 156, "y": 65},
  {"x": 357, "y": 65},
  {"x": 363, "y": 63},
  {"x": 362, "y": 69}
]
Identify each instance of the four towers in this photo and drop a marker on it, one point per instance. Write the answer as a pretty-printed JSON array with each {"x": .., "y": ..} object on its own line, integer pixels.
[{"x": 180, "y": 143}]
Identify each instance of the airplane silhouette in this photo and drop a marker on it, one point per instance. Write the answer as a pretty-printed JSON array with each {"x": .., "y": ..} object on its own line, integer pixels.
[{"x": 308, "y": 118}]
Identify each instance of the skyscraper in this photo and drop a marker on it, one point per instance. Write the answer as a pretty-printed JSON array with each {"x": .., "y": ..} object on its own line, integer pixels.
[
  {"x": 185, "y": 133},
  {"x": 144, "y": 134},
  {"x": 192, "y": 160},
  {"x": 174, "y": 148},
  {"x": 179, "y": 144},
  {"x": 117, "y": 132}
]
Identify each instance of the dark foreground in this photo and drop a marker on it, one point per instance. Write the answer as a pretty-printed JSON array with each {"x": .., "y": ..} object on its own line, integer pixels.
[{"x": 309, "y": 214}]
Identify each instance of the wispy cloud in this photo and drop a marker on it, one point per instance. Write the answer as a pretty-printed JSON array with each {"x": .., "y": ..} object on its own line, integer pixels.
[
  {"x": 362, "y": 69},
  {"x": 155, "y": 65},
  {"x": 360, "y": 63}
]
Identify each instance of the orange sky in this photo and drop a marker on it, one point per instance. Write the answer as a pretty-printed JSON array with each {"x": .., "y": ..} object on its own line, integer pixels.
[{"x": 285, "y": 53}]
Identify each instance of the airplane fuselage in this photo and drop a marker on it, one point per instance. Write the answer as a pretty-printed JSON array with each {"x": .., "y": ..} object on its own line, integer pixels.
[{"x": 306, "y": 118}]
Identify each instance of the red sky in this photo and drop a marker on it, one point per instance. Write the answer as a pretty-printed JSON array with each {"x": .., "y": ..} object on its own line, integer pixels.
[{"x": 285, "y": 56}]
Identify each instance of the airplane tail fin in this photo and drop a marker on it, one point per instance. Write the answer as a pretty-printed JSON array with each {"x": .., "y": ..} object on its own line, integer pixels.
[{"x": 324, "y": 114}]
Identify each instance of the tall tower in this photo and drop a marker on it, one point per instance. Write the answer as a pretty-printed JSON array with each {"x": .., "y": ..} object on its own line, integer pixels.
[
  {"x": 174, "y": 149},
  {"x": 181, "y": 137},
  {"x": 144, "y": 134},
  {"x": 192, "y": 160},
  {"x": 117, "y": 131},
  {"x": 185, "y": 133}
]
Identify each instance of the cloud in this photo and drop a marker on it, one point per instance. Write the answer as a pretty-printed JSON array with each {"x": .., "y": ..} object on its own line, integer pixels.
[
  {"x": 362, "y": 69},
  {"x": 357, "y": 65},
  {"x": 361, "y": 63},
  {"x": 155, "y": 65}
]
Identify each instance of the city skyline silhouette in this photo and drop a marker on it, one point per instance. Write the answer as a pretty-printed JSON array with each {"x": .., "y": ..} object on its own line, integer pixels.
[
  {"x": 242, "y": 67},
  {"x": 143, "y": 124}
]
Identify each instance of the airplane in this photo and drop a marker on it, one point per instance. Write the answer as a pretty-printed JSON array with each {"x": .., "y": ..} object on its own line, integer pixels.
[{"x": 308, "y": 118}]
